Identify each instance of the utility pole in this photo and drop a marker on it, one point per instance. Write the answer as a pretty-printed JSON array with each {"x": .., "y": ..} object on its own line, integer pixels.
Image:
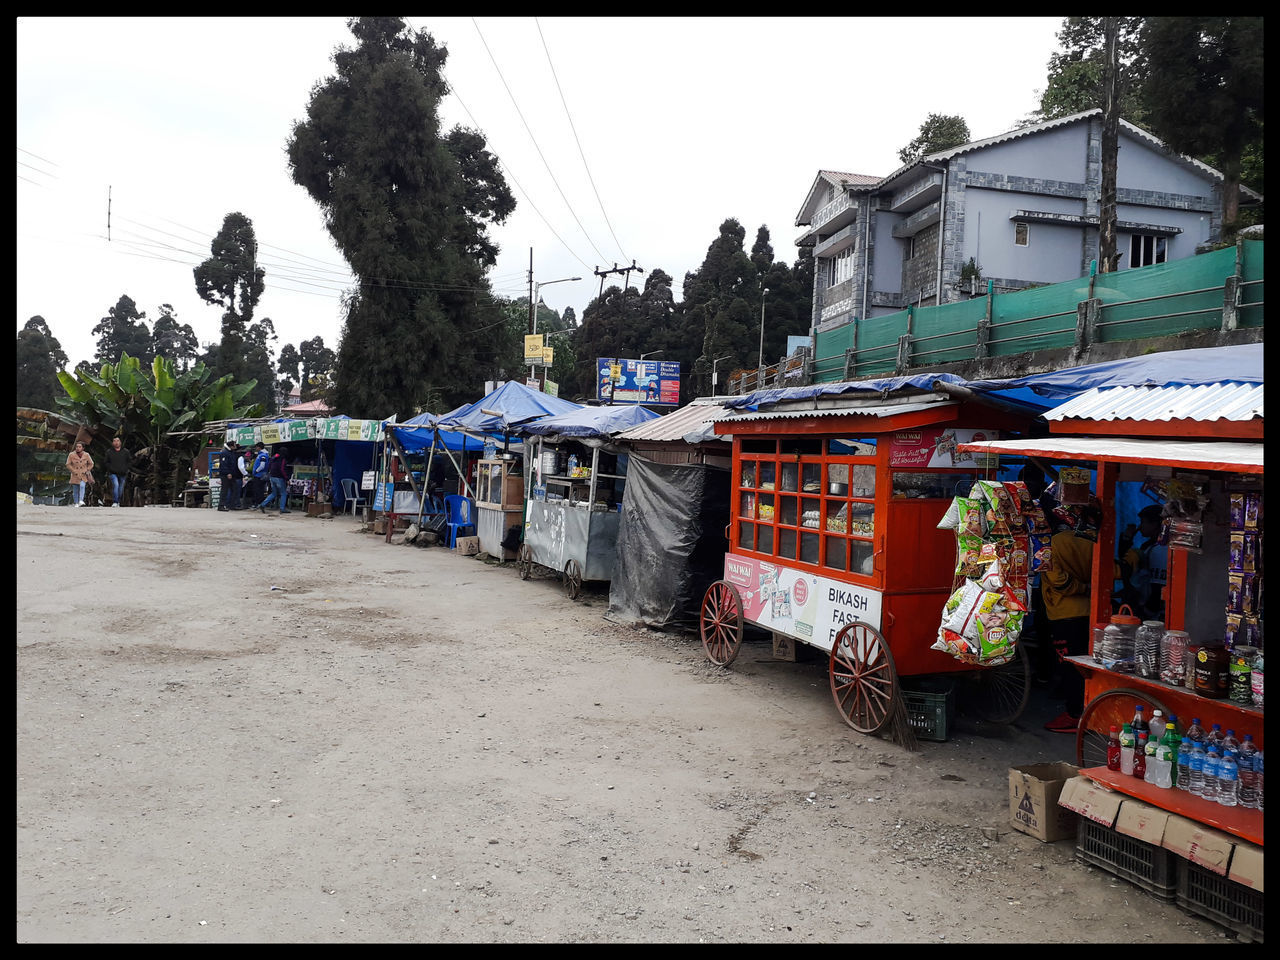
[{"x": 626, "y": 280}]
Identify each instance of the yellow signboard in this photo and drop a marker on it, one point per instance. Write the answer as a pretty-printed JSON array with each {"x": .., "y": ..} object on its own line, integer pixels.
[
  {"x": 533, "y": 348},
  {"x": 548, "y": 354},
  {"x": 615, "y": 372},
  {"x": 271, "y": 433}
]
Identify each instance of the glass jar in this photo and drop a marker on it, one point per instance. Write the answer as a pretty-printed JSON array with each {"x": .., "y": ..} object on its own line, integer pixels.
[
  {"x": 1118, "y": 639},
  {"x": 1173, "y": 657},
  {"x": 1147, "y": 648}
]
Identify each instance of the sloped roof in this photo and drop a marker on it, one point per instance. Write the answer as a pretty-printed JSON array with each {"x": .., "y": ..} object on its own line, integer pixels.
[
  {"x": 1207, "y": 402},
  {"x": 838, "y": 179},
  {"x": 693, "y": 423}
]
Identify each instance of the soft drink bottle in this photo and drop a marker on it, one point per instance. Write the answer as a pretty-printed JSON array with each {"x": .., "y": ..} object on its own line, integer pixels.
[
  {"x": 1195, "y": 732},
  {"x": 1198, "y": 758},
  {"x": 1164, "y": 763},
  {"x": 1248, "y": 792},
  {"x": 1210, "y": 791},
  {"x": 1140, "y": 757},
  {"x": 1177, "y": 729},
  {"x": 1183, "y": 778},
  {"x": 1139, "y": 721},
  {"x": 1170, "y": 742},
  {"x": 1127, "y": 743},
  {"x": 1113, "y": 749},
  {"x": 1228, "y": 779}
]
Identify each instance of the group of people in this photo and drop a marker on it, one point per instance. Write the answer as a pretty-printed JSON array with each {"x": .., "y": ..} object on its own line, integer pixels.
[
  {"x": 252, "y": 478},
  {"x": 80, "y": 464}
]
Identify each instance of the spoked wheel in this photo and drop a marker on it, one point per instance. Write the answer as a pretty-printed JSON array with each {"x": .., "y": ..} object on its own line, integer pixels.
[
  {"x": 1111, "y": 708},
  {"x": 720, "y": 623},
  {"x": 572, "y": 579},
  {"x": 524, "y": 561},
  {"x": 1001, "y": 693},
  {"x": 864, "y": 681}
]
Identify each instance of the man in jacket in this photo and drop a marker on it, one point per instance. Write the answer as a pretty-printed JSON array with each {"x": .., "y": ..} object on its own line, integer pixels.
[
  {"x": 230, "y": 476},
  {"x": 258, "y": 473},
  {"x": 117, "y": 462},
  {"x": 279, "y": 478}
]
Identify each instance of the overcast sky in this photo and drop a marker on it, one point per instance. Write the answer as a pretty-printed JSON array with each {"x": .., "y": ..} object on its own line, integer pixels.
[{"x": 683, "y": 122}]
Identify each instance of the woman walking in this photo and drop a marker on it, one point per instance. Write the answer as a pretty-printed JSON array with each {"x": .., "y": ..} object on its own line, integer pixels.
[{"x": 81, "y": 465}]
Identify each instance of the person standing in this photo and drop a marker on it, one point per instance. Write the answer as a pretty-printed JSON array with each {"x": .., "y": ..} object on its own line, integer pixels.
[
  {"x": 278, "y": 477},
  {"x": 81, "y": 466},
  {"x": 117, "y": 462},
  {"x": 230, "y": 475},
  {"x": 1066, "y": 589},
  {"x": 258, "y": 474},
  {"x": 1144, "y": 569},
  {"x": 244, "y": 461}
]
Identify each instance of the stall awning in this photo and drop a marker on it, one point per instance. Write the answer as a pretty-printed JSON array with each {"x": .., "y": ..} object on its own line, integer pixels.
[
  {"x": 854, "y": 407},
  {"x": 1206, "y": 455}
]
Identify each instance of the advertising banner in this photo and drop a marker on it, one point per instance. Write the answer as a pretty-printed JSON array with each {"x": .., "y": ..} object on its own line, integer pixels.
[
  {"x": 533, "y": 348},
  {"x": 935, "y": 447},
  {"x": 638, "y": 381},
  {"x": 797, "y": 603}
]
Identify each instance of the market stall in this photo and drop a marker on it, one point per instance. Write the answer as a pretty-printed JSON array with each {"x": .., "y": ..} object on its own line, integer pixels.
[
  {"x": 836, "y": 498},
  {"x": 577, "y": 476}
]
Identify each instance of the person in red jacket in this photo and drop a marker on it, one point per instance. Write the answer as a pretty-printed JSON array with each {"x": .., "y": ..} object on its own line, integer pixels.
[{"x": 278, "y": 476}]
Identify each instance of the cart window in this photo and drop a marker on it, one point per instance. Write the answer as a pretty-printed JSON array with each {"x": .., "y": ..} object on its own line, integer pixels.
[
  {"x": 787, "y": 544},
  {"x": 768, "y": 473},
  {"x": 787, "y": 511},
  {"x": 809, "y": 548},
  {"x": 834, "y": 554},
  {"x": 801, "y": 447},
  {"x": 765, "y": 542},
  {"x": 811, "y": 477},
  {"x": 936, "y": 486},
  {"x": 789, "y": 477},
  {"x": 852, "y": 448},
  {"x": 748, "y": 537},
  {"x": 759, "y": 445},
  {"x": 748, "y": 473},
  {"x": 747, "y": 506}
]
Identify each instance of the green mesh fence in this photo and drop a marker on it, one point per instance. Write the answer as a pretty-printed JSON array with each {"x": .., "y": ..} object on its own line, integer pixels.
[
  {"x": 947, "y": 333},
  {"x": 1250, "y": 314}
]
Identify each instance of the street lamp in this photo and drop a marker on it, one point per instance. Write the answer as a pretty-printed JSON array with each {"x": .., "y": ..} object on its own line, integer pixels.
[
  {"x": 533, "y": 306},
  {"x": 651, "y": 353},
  {"x": 714, "y": 375},
  {"x": 760, "y": 362}
]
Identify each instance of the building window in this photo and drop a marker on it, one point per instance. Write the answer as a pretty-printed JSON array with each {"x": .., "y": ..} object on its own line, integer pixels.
[
  {"x": 909, "y": 249},
  {"x": 1145, "y": 249},
  {"x": 1021, "y": 234},
  {"x": 840, "y": 267}
]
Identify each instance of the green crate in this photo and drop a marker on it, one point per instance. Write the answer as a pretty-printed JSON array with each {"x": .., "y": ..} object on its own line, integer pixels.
[
  {"x": 1150, "y": 867},
  {"x": 1223, "y": 901},
  {"x": 929, "y": 712}
]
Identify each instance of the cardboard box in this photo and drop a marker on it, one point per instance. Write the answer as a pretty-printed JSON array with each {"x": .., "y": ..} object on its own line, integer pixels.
[
  {"x": 1034, "y": 789},
  {"x": 1142, "y": 821},
  {"x": 1094, "y": 801},
  {"x": 1246, "y": 866},
  {"x": 467, "y": 546},
  {"x": 1199, "y": 844}
]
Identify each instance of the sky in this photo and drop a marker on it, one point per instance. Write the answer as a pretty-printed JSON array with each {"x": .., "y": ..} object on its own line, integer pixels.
[{"x": 622, "y": 139}]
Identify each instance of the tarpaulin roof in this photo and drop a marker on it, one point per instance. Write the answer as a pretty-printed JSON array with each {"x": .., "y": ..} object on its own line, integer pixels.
[
  {"x": 513, "y": 403},
  {"x": 415, "y": 437},
  {"x": 591, "y": 421},
  {"x": 919, "y": 381}
]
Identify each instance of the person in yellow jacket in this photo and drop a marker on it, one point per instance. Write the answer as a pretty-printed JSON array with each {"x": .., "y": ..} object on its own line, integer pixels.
[{"x": 1065, "y": 587}]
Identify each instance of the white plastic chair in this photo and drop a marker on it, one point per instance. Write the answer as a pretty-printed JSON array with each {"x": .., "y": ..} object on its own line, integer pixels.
[{"x": 351, "y": 496}]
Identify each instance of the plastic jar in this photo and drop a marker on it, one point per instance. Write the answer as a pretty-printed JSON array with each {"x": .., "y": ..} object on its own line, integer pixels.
[
  {"x": 1118, "y": 641},
  {"x": 1173, "y": 657},
  {"x": 1147, "y": 648},
  {"x": 1239, "y": 674}
]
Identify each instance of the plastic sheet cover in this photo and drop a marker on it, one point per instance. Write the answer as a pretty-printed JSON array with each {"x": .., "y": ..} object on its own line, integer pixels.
[{"x": 671, "y": 542}]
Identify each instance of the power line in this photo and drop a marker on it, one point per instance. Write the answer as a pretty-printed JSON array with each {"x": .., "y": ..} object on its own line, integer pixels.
[
  {"x": 577, "y": 141},
  {"x": 520, "y": 113},
  {"x": 38, "y": 157}
]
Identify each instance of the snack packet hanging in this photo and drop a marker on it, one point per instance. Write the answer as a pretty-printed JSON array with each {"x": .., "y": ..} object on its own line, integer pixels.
[
  {"x": 951, "y": 519},
  {"x": 972, "y": 519},
  {"x": 999, "y": 506},
  {"x": 969, "y": 560}
]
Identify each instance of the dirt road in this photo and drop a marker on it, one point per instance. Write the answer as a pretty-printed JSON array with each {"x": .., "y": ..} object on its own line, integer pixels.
[{"x": 398, "y": 744}]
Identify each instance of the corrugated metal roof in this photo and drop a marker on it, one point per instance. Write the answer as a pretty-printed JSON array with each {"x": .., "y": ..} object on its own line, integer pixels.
[
  {"x": 853, "y": 179},
  {"x": 1205, "y": 454},
  {"x": 872, "y": 409},
  {"x": 1215, "y": 401},
  {"x": 677, "y": 424}
]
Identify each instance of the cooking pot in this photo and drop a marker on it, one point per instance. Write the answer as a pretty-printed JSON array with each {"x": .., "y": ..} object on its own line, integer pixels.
[{"x": 838, "y": 489}]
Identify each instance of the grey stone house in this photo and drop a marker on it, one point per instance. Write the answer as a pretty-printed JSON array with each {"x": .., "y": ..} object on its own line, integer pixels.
[{"x": 1022, "y": 208}]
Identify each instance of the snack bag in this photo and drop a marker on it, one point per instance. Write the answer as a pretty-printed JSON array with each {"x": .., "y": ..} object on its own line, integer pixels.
[
  {"x": 999, "y": 507},
  {"x": 951, "y": 519},
  {"x": 972, "y": 519},
  {"x": 1017, "y": 522},
  {"x": 1041, "y": 554},
  {"x": 969, "y": 560}
]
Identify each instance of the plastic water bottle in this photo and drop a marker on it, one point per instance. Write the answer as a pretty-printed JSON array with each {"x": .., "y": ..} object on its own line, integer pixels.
[
  {"x": 1113, "y": 749},
  {"x": 1229, "y": 742},
  {"x": 1210, "y": 791},
  {"x": 1196, "y": 763},
  {"x": 1215, "y": 735},
  {"x": 1248, "y": 792},
  {"x": 1195, "y": 732},
  {"x": 1127, "y": 743},
  {"x": 1183, "y": 779},
  {"x": 1160, "y": 766},
  {"x": 1257, "y": 766},
  {"x": 1228, "y": 779}
]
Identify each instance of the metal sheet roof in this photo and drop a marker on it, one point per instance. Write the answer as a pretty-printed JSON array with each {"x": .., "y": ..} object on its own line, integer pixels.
[
  {"x": 692, "y": 418},
  {"x": 1216, "y": 401},
  {"x": 852, "y": 408},
  {"x": 1202, "y": 454}
]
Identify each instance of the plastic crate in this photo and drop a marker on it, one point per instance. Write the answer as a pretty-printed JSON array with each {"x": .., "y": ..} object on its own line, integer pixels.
[
  {"x": 1223, "y": 901},
  {"x": 1150, "y": 867},
  {"x": 929, "y": 712}
]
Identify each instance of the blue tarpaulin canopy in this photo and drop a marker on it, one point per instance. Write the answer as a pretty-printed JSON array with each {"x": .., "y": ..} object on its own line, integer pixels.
[
  {"x": 417, "y": 433},
  {"x": 511, "y": 405},
  {"x": 591, "y": 421}
]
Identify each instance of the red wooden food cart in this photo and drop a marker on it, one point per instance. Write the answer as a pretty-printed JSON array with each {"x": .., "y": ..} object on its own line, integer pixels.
[
  {"x": 1197, "y": 595},
  {"x": 834, "y": 540}
]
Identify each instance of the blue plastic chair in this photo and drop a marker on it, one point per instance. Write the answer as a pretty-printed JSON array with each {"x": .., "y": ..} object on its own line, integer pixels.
[{"x": 459, "y": 513}]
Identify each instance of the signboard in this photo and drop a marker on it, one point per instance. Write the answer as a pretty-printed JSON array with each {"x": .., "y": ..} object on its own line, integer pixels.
[
  {"x": 797, "y": 603},
  {"x": 638, "y": 381},
  {"x": 930, "y": 447},
  {"x": 533, "y": 348},
  {"x": 551, "y": 387},
  {"x": 285, "y": 431},
  {"x": 367, "y": 480},
  {"x": 548, "y": 356},
  {"x": 383, "y": 499}
]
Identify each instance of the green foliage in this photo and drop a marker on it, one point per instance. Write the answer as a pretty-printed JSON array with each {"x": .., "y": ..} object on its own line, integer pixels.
[
  {"x": 230, "y": 278},
  {"x": 407, "y": 207},
  {"x": 938, "y": 132},
  {"x": 173, "y": 340},
  {"x": 39, "y": 356},
  {"x": 1076, "y": 71},
  {"x": 122, "y": 331}
]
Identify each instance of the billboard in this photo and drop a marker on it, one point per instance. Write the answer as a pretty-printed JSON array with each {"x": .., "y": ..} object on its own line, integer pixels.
[{"x": 637, "y": 381}]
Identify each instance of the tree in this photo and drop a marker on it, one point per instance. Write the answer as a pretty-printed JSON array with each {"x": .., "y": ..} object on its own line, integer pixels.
[
  {"x": 938, "y": 132},
  {"x": 177, "y": 342},
  {"x": 316, "y": 361},
  {"x": 258, "y": 366},
  {"x": 408, "y": 208},
  {"x": 1204, "y": 92},
  {"x": 121, "y": 331},
  {"x": 40, "y": 356},
  {"x": 1075, "y": 81},
  {"x": 230, "y": 278}
]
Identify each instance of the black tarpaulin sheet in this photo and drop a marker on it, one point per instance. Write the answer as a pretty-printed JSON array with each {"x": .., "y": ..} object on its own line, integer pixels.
[{"x": 671, "y": 542}]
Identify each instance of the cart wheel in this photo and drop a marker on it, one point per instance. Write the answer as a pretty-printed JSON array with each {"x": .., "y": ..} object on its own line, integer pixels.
[
  {"x": 1002, "y": 692},
  {"x": 524, "y": 561},
  {"x": 572, "y": 579},
  {"x": 864, "y": 681},
  {"x": 1109, "y": 708},
  {"x": 720, "y": 623}
]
